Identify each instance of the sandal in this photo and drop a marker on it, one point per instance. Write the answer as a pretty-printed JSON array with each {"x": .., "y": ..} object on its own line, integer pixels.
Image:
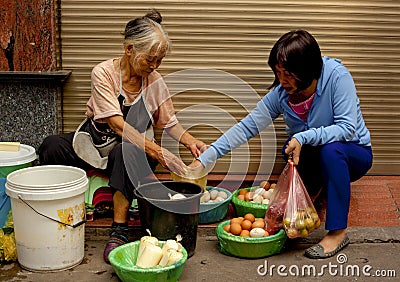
[
  {"x": 118, "y": 237},
  {"x": 318, "y": 252}
]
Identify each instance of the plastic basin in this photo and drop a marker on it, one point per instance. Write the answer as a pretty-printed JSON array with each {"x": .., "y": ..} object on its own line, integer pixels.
[
  {"x": 123, "y": 260},
  {"x": 243, "y": 207},
  {"x": 247, "y": 247},
  {"x": 214, "y": 211}
]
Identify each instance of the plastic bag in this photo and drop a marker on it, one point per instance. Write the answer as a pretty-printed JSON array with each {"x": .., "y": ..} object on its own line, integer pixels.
[
  {"x": 277, "y": 204},
  {"x": 300, "y": 217},
  {"x": 291, "y": 207}
]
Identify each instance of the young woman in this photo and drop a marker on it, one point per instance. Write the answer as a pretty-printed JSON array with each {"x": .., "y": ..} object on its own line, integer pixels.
[{"x": 327, "y": 135}]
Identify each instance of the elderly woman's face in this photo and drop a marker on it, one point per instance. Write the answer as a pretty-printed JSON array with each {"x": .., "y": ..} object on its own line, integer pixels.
[
  {"x": 146, "y": 63},
  {"x": 287, "y": 81}
]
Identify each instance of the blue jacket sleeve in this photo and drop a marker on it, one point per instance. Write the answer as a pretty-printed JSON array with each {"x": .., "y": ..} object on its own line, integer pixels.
[{"x": 257, "y": 120}]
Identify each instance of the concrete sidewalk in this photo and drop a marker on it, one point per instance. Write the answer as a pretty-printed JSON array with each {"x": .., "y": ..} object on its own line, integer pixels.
[{"x": 373, "y": 250}]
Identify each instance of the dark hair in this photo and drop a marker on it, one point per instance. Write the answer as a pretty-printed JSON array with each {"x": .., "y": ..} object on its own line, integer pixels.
[
  {"x": 298, "y": 52},
  {"x": 145, "y": 32},
  {"x": 134, "y": 26}
]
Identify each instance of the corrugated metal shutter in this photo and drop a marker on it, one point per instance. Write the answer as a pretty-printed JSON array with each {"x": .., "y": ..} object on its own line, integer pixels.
[{"x": 236, "y": 37}]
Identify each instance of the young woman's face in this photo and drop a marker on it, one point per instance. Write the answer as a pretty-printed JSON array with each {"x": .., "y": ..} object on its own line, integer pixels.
[{"x": 287, "y": 81}]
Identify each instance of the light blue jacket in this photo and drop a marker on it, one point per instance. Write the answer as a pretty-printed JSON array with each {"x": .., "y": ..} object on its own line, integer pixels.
[{"x": 335, "y": 115}]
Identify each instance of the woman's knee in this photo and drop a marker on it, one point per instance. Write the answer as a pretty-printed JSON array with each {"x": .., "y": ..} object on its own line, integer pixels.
[
  {"x": 48, "y": 148},
  {"x": 57, "y": 149},
  {"x": 332, "y": 152}
]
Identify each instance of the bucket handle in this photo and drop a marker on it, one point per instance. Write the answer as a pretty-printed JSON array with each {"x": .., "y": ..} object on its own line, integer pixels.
[{"x": 53, "y": 219}]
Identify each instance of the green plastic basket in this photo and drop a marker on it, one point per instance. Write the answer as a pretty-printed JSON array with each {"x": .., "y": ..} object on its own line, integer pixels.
[
  {"x": 243, "y": 207},
  {"x": 247, "y": 247},
  {"x": 215, "y": 211},
  {"x": 123, "y": 260}
]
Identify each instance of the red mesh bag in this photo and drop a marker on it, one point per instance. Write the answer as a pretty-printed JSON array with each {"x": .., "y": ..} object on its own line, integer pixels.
[{"x": 291, "y": 207}]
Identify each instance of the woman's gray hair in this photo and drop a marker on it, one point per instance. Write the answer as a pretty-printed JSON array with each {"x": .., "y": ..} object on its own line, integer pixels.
[{"x": 145, "y": 32}]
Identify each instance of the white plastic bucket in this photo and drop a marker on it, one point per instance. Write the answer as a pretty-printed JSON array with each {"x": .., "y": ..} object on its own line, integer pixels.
[
  {"x": 9, "y": 162},
  {"x": 49, "y": 214}
]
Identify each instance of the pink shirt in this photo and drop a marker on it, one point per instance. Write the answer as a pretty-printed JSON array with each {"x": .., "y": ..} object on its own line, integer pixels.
[
  {"x": 302, "y": 108},
  {"x": 104, "y": 103}
]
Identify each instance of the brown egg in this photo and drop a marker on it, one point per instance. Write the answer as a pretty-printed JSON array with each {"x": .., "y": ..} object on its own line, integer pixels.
[
  {"x": 243, "y": 192},
  {"x": 245, "y": 233},
  {"x": 236, "y": 219},
  {"x": 227, "y": 228},
  {"x": 241, "y": 197},
  {"x": 266, "y": 233},
  {"x": 236, "y": 228},
  {"x": 265, "y": 184},
  {"x": 249, "y": 216},
  {"x": 246, "y": 224},
  {"x": 258, "y": 224},
  {"x": 273, "y": 185},
  {"x": 248, "y": 197}
]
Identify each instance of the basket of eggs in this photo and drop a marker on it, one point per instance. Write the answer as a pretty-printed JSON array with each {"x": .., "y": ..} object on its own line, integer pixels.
[
  {"x": 246, "y": 237},
  {"x": 214, "y": 204},
  {"x": 253, "y": 200}
]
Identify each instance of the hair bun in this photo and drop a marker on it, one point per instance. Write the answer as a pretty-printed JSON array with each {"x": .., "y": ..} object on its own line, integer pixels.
[{"x": 154, "y": 15}]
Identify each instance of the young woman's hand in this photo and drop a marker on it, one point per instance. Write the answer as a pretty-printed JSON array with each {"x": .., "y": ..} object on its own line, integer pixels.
[{"x": 294, "y": 147}]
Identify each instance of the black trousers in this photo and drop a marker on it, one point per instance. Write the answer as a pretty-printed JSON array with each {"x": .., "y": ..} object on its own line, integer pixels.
[{"x": 127, "y": 166}]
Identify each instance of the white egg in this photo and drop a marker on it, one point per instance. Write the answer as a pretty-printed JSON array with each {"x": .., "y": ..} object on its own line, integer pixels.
[
  {"x": 267, "y": 194},
  {"x": 219, "y": 199},
  {"x": 257, "y": 232},
  {"x": 257, "y": 199},
  {"x": 259, "y": 191},
  {"x": 213, "y": 194},
  {"x": 205, "y": 198},
  {"x": 222, "y": 194},
  {"x": 265, "y": 201}
]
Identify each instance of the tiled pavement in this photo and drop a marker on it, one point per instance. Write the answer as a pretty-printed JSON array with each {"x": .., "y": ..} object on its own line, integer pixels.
[{"x": 375, "y": 201}]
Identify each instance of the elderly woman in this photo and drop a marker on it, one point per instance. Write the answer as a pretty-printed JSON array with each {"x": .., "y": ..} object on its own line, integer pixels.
[
  {"x": 328, "y": 138},
  {"x": 128, "y": 98}
]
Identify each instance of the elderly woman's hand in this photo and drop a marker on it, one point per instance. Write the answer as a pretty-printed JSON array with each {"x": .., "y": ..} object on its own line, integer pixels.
[
  {"x": 197, "y": 147},
  {"x": 294, "y": 147},
  {"x": 171, "y": 162},
  {"x": 196, "y": 164}
]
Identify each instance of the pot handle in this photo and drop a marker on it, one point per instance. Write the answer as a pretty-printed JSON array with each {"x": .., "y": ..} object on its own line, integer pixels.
[{"x": 53, "y": 219}]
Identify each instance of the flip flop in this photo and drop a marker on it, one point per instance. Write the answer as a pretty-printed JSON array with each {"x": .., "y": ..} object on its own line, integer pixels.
[{"x": 318, "y": 252}]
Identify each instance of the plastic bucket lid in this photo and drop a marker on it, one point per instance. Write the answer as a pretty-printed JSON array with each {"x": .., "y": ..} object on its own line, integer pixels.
[
  {"x": 26, "y": 154},
  {"x": 49, "y": 182}
]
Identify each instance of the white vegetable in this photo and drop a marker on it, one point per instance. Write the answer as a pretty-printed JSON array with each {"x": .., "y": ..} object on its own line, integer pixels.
[
  {"x": 145, "y": 241},
  {"x": 257, "y": 232},
  {"x": 170, "y": 257},
  {"x": 170, "y": 244},
  {"x": 150, "y": 257}
]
